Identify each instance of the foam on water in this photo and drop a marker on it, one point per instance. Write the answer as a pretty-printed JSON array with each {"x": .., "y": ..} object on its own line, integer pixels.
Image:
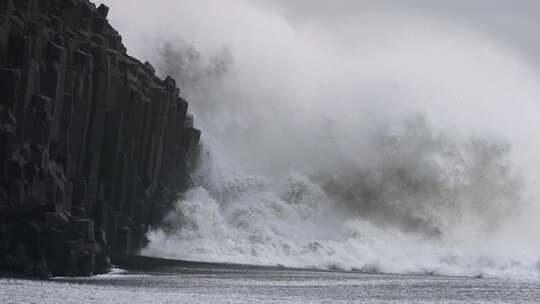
[{"x": 240, "y": 218}]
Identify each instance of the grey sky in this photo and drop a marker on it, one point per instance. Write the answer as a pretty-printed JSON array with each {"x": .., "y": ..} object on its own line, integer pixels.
[{"x": 514, "y": 22}]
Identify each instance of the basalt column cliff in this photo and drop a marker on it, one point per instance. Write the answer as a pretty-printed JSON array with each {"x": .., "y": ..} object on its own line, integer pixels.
[{"x": 94, "y": 147}]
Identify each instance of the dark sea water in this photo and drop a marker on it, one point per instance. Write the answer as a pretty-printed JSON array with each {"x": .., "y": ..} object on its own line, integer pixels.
[{"x": 245, "y": 285}]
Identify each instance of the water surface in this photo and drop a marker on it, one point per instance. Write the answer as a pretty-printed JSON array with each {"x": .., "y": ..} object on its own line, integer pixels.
[{"x": 229, "y": 285}]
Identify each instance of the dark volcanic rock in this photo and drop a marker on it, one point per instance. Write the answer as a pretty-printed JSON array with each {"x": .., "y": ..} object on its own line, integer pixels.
[{"x": 94, "y": 147}]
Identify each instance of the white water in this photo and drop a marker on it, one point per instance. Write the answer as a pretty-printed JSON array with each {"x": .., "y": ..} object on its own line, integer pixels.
[{"x": 389, "y": 141}]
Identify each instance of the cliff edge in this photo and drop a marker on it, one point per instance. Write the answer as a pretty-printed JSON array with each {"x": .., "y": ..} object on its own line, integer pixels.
[{"x": 94, "y": 147}]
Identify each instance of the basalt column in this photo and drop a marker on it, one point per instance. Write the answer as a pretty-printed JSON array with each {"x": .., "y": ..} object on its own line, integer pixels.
[{"x": 94, "y": 147}]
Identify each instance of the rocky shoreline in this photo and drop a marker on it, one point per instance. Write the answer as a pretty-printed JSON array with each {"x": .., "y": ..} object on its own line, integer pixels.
[{"x": 94, "y": 147}]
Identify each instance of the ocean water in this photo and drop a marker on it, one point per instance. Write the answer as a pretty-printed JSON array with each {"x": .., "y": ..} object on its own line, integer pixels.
[{"x": 229, "y": 285}]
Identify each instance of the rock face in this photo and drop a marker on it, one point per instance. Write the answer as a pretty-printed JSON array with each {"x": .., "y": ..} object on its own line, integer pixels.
[{"x": 94, "y": 147}]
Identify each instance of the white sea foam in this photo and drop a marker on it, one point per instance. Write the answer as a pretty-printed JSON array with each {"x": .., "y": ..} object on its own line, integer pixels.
[{"x": 240, "y": 218}]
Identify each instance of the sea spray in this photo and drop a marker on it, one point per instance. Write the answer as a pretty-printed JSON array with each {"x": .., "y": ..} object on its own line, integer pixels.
[
  {"x": 386, "y": 218},
  {"x": 390, "y": 141}
]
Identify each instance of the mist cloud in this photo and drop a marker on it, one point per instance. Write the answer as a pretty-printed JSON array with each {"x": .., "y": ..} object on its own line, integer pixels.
[{"x": 310, "y": 92}]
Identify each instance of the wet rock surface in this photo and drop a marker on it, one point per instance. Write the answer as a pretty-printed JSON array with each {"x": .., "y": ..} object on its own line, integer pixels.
[{"x": 94, "y": 147}]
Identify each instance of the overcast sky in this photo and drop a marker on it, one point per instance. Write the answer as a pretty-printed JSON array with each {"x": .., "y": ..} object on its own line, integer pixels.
[
  {"x": 512, "y": 22},
  {"x": 515, "y": 22}
]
